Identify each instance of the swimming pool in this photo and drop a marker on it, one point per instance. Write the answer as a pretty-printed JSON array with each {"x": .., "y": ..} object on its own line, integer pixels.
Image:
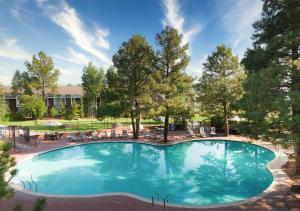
[{"x": 192, "y": 173}]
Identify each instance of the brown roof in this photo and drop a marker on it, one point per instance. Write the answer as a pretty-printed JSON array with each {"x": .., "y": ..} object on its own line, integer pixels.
[{"x": 61, "y": 90}]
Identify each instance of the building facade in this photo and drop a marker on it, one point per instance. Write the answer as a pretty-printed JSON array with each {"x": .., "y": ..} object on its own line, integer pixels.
[{"x": 65, "y": 94}]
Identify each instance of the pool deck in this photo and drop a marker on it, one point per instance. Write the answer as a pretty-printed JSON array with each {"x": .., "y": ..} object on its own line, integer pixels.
[{"x": 274, "y": 198}]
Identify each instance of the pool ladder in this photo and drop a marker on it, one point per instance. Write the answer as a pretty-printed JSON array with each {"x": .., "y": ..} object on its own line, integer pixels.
[
  {"x": 165, "y": 199},
  {"x": 29, "y": 184}
]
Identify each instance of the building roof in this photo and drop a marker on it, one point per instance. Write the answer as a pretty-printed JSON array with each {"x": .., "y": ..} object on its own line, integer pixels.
[{"x": 61, "y": 90}]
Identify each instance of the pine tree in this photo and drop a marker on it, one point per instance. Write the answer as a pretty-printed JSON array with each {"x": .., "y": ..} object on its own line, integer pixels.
[
  {"x": 272, "y": 99},
  {"x": 174, "y": 86},
  {"x": 221, "y": 84},
  {"x": 135, "y": 63}
]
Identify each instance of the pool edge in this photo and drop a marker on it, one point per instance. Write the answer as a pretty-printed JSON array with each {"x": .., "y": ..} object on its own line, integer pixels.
[{"x": 281, "y": 181}]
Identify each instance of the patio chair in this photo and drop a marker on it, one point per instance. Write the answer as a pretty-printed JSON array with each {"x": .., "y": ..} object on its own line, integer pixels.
[
  {"x": 83, "y": 137},
  {"x": 124, "y": 134},
  {"x": 113, "y": 134},
  {"x": 213, "y": 131},
  {"x": 202, "y": 132},
  {"x": 189, "y": 133},
  {"x": 73, "y": 137},
  {"x": 104, "y": 134},
  {"x": 95, "y": 135}
]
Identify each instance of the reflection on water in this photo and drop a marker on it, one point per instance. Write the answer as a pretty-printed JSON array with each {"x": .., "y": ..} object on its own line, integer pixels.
[{"x": 199, "y": 173}]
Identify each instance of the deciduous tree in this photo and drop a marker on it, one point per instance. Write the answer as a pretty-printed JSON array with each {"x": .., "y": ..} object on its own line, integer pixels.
[
  {"x": 92, "y": 84},
  {"x": 43, "y": 75}
]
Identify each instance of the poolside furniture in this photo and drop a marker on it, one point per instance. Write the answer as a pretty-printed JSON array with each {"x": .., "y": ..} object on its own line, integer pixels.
[
  {"x": 73, "y": 137},
  {"x": 213, "y": 131},
  {"x": 189, "y": 133},
  {"x": 124, "y": 134},
  {"x": 202, "y": 132},
  {"x": 83, "y": 137},
  {"x": 104, "y": 134},
  {"x": 113, "y": 134},
  {"x": 96, "y": 135}
]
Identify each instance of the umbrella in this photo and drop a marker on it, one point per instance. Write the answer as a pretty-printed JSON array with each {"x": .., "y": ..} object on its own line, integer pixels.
[{"x": 53, "y": 123}]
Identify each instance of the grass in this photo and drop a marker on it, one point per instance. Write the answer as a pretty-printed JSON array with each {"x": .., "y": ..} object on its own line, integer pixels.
[{"x": 84, "y": 124}]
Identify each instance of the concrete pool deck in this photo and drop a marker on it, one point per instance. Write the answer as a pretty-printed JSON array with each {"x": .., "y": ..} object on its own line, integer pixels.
[{"x": 272, "y": 198}]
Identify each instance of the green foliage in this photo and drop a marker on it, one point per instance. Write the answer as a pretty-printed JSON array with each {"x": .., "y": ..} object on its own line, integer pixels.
[
  {"x": 74, "y": 112},
  {"x": 22, "y": 83},
  {"x": 32, "y": 107},
  {"x": 174, "y": 91},
  {"x": 61, "y": 109},
  {"x": 92, "y": 84},
  {"x": 221, "y": 84},
  {"x": 18, "y": 207},
  {"x": 53, "y": 112},
  {"x": 135, "y": 63},
  {"x": 3, "y": 105},
  {"x": 42, "y": 73},
  {"x": 40, "y": 204},
  {"x": 271, "y": 102},
  {"x": 7, "y": 170}
]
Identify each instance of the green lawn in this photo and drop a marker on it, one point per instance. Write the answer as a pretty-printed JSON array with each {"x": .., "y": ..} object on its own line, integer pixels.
[
  {"x": 84, "y": 124},
  {"x": 74, "y": 125}
]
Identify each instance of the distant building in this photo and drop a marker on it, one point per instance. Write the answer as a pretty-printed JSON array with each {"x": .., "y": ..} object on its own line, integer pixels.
[{"x": 65, "y": 94}]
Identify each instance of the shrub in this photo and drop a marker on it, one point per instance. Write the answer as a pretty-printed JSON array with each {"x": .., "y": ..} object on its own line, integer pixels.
[
  {"x": 53, "y": 112},
  {"x": 32, "y": 107}
]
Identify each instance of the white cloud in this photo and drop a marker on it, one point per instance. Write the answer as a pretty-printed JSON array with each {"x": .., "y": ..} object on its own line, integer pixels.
[
  {"x": 5, "y": 80},
  {"x": 237, "y": 18},
  {"x": 74, "y": 56},
  {"x": 195, "y": 67},
  {"x": 174, "y": 18},
  {"x": 67, "y": 18},
  {"x": 9, "y": 48}
]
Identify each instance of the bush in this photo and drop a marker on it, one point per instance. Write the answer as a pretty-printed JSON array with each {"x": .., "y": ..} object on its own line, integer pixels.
[
  {"x": 40, "y": 204},
  {"x": 32, "y": 107},
  {"x": 53, "y": 112}
]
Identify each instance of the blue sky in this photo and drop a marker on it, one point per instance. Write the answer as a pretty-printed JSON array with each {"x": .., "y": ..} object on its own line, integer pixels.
[{"x": 74, "y": 32}]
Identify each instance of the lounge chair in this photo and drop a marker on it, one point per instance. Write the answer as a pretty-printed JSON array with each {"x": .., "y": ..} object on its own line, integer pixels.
[
  {"x": 124, "y": 134},
  {"x": 113, "y": 134},
  {"x": 189, "y": 133},
  {"x": 83, "y": 137},
  {"x": 213, "y": 131},
  {"x": 73, "y": 137},
  {"x": 104, "y": 134},
  {"x": 202, "y": 132},
  {"x": 94, "y": 135}
]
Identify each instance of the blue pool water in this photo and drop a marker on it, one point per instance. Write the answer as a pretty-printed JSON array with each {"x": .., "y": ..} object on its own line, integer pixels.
[{"x": 194, "y": 173}]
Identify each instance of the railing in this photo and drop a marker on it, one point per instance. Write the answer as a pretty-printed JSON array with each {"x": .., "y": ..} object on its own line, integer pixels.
[{"x": 29, "y": 184}]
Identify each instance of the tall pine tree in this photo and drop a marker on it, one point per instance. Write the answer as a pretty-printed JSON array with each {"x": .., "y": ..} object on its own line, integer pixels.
[
  {"x": 221, "y": 84},
  {"x": 174, "y": 86},
  {"x": 272, "y": 98}
]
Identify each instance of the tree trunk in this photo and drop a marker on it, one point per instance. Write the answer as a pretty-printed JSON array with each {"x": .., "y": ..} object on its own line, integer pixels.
[
  {"x": 132, "y": 123},
  {"x": 226, "y": 124},
  {"x": 96, "y": 106},
  {"x": 138, "y": 120},
  {"x": 297, "y": 157},
  {"x": 166, "y": 128}
]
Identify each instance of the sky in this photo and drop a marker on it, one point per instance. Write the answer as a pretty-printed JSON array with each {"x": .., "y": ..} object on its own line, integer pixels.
[{"x": 74, "y": 32}]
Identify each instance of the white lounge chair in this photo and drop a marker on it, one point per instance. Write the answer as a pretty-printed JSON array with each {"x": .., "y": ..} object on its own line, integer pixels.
[
  {"x": 213, "y": 131},
  {"x": 124, "y": 134},
  {"x": 189, "y": 133},
  {"x": 113, "y": 134},
  {"x": 104, "y": 134},
  {"x": 73, "y": 137},
  {"x": 202, "y": 132}
]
